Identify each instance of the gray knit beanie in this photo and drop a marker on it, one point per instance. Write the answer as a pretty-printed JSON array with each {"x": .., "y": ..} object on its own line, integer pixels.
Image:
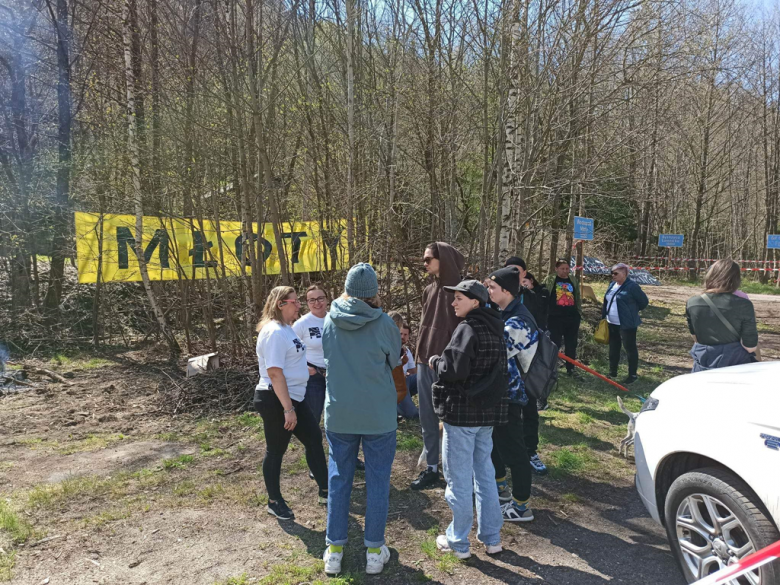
[{"x": 361, "y": 281}]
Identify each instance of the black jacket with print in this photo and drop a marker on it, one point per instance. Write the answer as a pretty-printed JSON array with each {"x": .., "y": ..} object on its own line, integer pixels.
[{"x": 472, "y": 390}]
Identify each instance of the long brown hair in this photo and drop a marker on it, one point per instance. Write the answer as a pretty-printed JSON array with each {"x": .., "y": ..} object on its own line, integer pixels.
[
  {"x": 723, "y": 277},
  {"x": 271, "y": 310}
]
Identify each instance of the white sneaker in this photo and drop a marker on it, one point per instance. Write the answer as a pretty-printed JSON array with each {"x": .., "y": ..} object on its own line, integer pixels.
[
  {"x": 493, "y": 549},
  {"x": 444, "y": 546},
  {"x": 375, "y": 562},
  {"x": 332, "y": 562}
]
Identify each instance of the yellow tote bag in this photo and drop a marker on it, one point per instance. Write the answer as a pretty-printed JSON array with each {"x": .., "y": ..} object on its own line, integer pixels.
[{"x": 602, "y": 332}]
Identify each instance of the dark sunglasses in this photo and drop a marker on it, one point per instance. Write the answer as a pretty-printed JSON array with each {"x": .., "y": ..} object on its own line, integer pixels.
[
  {"x": 428, "y": 259},
  {"x": 615, "y": 273}
]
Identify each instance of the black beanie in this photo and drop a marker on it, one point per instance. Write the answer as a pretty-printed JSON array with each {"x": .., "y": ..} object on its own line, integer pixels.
[
  {"x": 507, "y": 278},
  {"x": 515, "y": 261}
]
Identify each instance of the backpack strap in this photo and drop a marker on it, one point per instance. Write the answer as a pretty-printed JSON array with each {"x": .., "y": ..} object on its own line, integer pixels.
[{"x": 720, "y": 316}]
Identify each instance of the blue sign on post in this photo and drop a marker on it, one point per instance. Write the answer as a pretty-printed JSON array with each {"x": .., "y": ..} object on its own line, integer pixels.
[
  {"x": 773, "y": 241},
  {"x": 670, "y": 240},
  {"x": 583, "y": 228}
]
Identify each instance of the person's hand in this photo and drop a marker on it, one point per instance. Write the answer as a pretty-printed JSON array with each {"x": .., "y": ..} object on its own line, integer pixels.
[
  {"x": 290, "y": 420},
  {"x": 431, "y": 361},
  {"x": 312, "y": 371}
]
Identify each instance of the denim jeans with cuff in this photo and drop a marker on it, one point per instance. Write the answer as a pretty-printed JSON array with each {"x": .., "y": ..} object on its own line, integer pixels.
[
  {"x": 468, "y": 468},
  {"x": 379, "y": 452}
]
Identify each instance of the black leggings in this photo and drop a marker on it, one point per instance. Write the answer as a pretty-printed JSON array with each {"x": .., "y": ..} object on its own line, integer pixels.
[
  {"x": 626, "y": 337},
  {"x": 563, "y": 331},
  {"x": 277, "y": 438},
  {"x": 509, "y": 450}
]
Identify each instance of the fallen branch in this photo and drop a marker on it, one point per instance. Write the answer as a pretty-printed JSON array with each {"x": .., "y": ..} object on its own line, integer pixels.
[
  {"x": 47, "y": 539},
  {"x": 53, "y": 375},
  {"x": 15, "y": 381}
]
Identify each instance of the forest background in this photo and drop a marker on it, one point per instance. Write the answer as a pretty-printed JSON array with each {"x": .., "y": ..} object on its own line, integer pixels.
[{"x": 489, "y": 124}]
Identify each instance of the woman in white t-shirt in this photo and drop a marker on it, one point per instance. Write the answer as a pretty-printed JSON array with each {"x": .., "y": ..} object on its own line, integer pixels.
[
  {"x": 281, "y": 356},
  {"x": 309, "y": 330}
]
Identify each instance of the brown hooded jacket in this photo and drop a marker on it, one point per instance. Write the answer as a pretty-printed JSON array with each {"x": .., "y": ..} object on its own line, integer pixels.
[{"x": 438, "y": 319}]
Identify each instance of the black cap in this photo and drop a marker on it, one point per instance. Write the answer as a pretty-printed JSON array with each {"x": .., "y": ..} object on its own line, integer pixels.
[
  {"x": 507, "y": 278},
  {"x": 473, "y": 289},
  {"x": 515, "y": 261}
]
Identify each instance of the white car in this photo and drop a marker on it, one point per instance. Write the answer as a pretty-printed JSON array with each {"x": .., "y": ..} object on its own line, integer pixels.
[{"x": 708, "y": 467}]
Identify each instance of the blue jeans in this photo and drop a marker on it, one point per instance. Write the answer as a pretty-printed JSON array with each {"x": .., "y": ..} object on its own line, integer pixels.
[
  {"x": 406, "y": 407},
  {"x": 379, "y": 452},
  {"x": 411, "y": 384},
  {"x": 467, "y": 468},
  {"x": 315, "y": 395}
]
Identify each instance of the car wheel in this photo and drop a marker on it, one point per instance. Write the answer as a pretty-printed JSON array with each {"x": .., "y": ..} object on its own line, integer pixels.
[{"x": 713, "y": 519}]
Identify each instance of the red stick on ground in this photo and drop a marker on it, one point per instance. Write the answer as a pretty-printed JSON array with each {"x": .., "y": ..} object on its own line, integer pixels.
[{"x": 592, "y": 371}]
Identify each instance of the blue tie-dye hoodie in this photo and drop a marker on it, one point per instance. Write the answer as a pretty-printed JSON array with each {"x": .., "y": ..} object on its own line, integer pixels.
[{"x": 522, "y": 338}]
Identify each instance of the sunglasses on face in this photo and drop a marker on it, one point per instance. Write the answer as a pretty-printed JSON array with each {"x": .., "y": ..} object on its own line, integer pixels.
[
  {"x": 315, "y": 301},
  {"x": 428, "y": 259},
  {"x": 615, "y": 273}
]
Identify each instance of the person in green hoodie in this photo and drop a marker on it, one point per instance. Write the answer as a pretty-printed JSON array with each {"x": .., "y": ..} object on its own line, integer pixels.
[{"x": 361, "y": 345}]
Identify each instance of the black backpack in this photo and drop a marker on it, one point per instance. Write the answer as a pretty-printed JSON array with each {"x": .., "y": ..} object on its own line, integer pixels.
[{"x": 542, "y": 374}]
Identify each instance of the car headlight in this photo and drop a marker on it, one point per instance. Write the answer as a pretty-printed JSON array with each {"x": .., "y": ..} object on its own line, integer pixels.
[{"x": 649, "y": 404}]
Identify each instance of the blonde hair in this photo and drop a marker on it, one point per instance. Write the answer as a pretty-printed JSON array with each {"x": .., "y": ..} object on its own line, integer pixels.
[
  {"x": 723, "y": 276},
  {"x": 271, "y": 310},
  {"x": 397, "y": 319}
]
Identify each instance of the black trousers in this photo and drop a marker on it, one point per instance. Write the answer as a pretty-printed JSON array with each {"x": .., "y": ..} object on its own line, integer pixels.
[
  {"x": 531, "y": 426},
  {"x": 563, "y": 331},
  {"x": 626, "y": 337},
  {"x": 277, "y": 438},
  {"x": 509, "y": 449}
]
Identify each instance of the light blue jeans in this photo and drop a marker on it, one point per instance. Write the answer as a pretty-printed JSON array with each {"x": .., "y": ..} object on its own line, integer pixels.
[
  {"x": 468, "y": 469},
  {"x": 379, "y": 452}
]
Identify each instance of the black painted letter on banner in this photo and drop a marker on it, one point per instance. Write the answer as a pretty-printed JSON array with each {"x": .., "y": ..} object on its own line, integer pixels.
[
  {"x": 124, "y": 238},
  {"x": 296, "y": 243}
]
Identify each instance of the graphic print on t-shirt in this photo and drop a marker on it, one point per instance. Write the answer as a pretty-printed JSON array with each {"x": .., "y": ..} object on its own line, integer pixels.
[
  {"x": 315, "y": 333},
  {"x": 564, "y": 294},
  {"x": 299, "y": 347}
]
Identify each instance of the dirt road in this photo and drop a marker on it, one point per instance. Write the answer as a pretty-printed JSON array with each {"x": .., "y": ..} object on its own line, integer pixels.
[{"x": 128, "y": 494}]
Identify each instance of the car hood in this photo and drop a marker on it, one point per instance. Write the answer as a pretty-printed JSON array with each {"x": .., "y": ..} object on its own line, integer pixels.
[{"x": 750, "y": 392}]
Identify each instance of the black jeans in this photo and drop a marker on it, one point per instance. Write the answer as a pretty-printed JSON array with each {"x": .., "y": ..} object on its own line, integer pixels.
[
  {"x": 628, "y": 339},
  {"x": 509, "y": 450},
  {"x": 277, "y": 438},
  {"x": 531, "y": 426},
  {"x": 563, "y": 331}
]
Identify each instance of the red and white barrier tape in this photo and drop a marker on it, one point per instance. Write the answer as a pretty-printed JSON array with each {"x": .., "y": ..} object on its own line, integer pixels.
[
  {"x": 749, "y": 563},
  {"x": 703, "y": 260},
  {"x": 686, "y": 269}
]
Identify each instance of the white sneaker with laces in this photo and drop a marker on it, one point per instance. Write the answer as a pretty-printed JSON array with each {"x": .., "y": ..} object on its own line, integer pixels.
[
  {"x": 375, "y": 562},
  {"x": 332, "y": 562},
  {"x": 493, "y": 549},
  {"x": 444, "y": 546}
]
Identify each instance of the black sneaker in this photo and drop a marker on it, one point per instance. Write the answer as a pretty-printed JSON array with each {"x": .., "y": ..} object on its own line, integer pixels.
[
  {"x": 426, "y": 479},
  {"x": 311, "y": 475},
  {"x": 281, "y": 510},
  {"x": 630, "y": 379},
  {"x": 360, "y": 466},
  {"x": 322, "y": 497},
  {"x": 613, "y": 375},
  {"x": 541, "y": 404}
]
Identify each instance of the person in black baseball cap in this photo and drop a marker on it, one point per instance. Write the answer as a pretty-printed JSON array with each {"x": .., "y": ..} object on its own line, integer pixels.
[
  {"x": 470, "y": 397},
  {"x": 472, "y": 289}
]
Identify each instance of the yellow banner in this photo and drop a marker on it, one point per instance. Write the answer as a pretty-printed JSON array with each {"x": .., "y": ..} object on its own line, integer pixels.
[{"x": 178, "y": 248}]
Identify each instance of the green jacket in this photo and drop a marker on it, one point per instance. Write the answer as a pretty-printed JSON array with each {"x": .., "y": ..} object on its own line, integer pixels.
[{"x": 550, "y": 284}]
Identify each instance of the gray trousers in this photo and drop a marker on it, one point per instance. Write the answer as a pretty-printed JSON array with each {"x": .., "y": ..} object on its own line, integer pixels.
[{"x": 428, "y": 419}]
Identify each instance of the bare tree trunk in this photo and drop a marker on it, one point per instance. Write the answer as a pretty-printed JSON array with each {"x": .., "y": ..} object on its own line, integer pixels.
[
  {"x": 135, "y": 170},
  {"x": 60, "y": 223}
]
